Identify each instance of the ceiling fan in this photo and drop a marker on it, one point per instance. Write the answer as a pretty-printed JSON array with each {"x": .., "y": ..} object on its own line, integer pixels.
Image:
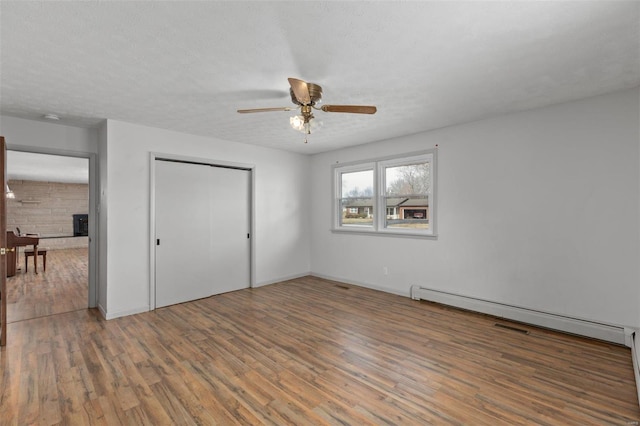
[{"x": 307, "y": 96}]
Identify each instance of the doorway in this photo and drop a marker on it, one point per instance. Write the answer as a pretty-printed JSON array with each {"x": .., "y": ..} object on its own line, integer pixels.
[
  {"x": 202, "y": 230},
  {"x": 48, "y": 190}
]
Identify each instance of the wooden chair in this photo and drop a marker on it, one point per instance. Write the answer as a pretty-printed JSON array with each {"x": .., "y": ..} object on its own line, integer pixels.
[{"x": 29, "y": 252}]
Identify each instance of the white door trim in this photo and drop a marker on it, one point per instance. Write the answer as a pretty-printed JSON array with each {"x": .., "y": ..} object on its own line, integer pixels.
[{"x": 153, "y": 156}]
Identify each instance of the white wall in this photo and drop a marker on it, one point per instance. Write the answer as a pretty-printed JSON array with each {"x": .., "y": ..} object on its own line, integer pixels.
[
  {"x": 537, "y": 209},
  {"x": 281, "y": 208},
  {"x": 20, "y": 134}
]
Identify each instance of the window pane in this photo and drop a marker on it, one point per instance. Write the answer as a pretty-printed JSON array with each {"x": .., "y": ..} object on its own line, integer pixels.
[
  {"x": 356, "y": 211},
  {"x": 356, "y": 203},
  {"x": 407, "y": 212},
  {"x": 410, "y": 179},
  {"x": 357, "y": 184}
]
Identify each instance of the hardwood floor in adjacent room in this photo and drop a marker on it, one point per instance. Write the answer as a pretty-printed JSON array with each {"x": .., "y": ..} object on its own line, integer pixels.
[
  {"x": 63, "y": 287},
  {"x": 308, "y": 352}
]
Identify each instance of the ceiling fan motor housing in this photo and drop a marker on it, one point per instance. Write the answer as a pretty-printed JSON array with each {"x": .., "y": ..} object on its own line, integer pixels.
[{"x": 315, "y": 94}]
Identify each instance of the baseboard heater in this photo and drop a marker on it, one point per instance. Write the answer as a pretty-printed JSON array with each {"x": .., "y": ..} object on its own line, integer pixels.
[
  {"x": 635, "y": 354},
  {"x": 607, "y": 332}
]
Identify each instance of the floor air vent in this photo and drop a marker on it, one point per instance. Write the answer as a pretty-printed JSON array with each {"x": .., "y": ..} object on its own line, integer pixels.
[
  {"x": 508, "y": 327},
  {"x": 344, "y": 287}
]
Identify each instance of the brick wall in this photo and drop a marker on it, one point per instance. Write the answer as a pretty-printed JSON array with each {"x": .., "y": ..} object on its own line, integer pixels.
[{"x": 47, "y": 208}]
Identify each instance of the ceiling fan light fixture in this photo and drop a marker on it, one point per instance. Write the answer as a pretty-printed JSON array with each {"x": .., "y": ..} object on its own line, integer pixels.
[
  {"x": 297, "y": 122},
  {"x": 304, "y": 125}
]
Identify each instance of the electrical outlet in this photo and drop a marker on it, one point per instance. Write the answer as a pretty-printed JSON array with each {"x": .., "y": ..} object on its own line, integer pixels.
[{"x": 385, "y": 270}]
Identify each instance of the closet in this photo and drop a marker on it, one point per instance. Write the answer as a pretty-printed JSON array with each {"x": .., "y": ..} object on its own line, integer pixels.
[{"x": 202, "y": 230}]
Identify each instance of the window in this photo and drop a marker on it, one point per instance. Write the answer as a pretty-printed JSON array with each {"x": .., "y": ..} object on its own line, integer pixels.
[
  {"x": 402, "y": 187},
  {"x": 356, "y": 196}
]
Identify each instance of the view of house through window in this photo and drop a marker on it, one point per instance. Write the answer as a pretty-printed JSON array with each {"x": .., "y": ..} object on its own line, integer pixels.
[
  {"x": 400, "y": 187},
  {"x": 406, "y": 189},
  {"x": 357, "y": 198}
]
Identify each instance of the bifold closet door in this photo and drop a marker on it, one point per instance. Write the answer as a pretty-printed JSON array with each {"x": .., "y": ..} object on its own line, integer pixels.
[{"x": 202, "y": 228}]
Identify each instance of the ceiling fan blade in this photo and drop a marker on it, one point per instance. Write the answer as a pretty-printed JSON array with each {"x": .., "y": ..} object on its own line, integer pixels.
[
  {"x": 301, "y": 90},
  {"x": 246, "y": 111},
  {"x": 355, "y": 109}
]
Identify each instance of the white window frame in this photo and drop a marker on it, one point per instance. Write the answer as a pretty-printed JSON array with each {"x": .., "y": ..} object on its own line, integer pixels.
[
  {"x": 337, "y": 192},
  {"x": 379, "y": 188}
]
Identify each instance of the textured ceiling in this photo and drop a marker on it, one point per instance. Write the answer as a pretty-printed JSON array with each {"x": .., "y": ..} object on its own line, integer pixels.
[{"x": 188, "y": 66}]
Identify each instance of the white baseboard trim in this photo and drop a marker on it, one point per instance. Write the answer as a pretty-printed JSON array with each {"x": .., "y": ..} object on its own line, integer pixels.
[
  {"x": 118, "y": 314},
  {"x": 607, "y": 332},
  {"x": 103, "y": 311},
  {"x": 361, "y": 284},
  {"x": 279, "y": 280}
]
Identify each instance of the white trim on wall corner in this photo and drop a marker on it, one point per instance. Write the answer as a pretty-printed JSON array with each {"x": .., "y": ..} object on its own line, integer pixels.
[
  {"x": 103, "y": 311},
  {"x": 127, "y": 312}
]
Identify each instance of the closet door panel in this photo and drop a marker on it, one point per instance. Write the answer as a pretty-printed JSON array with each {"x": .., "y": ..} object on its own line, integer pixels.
[
  {"x": 183, "y": 230},
  {"x": 230, "y": 223}
]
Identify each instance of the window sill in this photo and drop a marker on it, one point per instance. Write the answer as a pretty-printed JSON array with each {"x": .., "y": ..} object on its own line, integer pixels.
[{"x": 384, "y": 233}]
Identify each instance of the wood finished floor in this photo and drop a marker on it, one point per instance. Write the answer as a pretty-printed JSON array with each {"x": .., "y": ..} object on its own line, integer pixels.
[
  {"x": 308, "y": 352},
  {"x": 63, "y": 287}
]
